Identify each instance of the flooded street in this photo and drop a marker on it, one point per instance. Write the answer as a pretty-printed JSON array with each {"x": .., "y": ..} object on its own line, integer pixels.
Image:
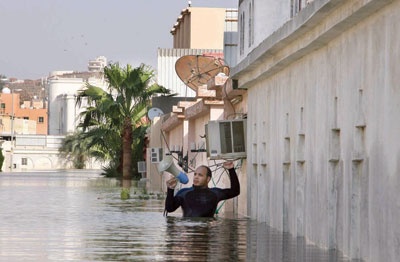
[{"x": 79, "y": 216}]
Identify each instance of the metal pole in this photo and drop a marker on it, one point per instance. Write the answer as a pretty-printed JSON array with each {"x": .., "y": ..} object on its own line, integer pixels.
[
  {"x": 12, "y": 130},
  {"x": 12, "y": 126}
]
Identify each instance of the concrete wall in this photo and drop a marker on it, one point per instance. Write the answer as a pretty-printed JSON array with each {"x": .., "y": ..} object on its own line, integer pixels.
[
  {"x": 37, "y": 152},
  {"x": 323, "y": 111},
  {"x": 199, "y": 28},
  {"x": 253, "y": 31},
  {"x": 182, "y": 133}
]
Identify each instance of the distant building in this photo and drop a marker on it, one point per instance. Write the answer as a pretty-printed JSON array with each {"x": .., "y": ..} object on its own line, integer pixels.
[
  {"x": 63, "y": 87},
  {"x": 27, "y": 119},
  {"x": 198, "y": 31},
  {"x": 97, "y": 64},
  {"x": 38, "y": 130}
]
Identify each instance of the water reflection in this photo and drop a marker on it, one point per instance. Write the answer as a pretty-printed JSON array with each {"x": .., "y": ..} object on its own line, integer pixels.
[
  {"x": 79, "y": 216},
  {"x": 205, "y": 239}
]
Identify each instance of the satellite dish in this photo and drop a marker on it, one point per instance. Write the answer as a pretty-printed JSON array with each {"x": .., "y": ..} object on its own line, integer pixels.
[
  {"x": 196, "y": 70},
  {"x": 153, "y": 112}
]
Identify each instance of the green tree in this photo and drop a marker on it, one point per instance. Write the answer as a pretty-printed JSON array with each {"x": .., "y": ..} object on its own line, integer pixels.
[
  {"x": 74, "y": 149},
  {"x": 1, "y": 159},
  {"x": 116, "y": 113},
  {"x": 77, "y": 148}
]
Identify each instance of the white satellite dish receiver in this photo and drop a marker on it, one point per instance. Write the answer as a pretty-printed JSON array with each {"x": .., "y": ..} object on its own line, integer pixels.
[{"x": 153, "y": 112}]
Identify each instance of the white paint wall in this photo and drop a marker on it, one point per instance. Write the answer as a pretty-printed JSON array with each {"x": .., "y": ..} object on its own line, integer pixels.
[
  {"x": 37, "y": 152},
  {"x": 63, "y": 112},
  {"x": 273, "y": 13}
]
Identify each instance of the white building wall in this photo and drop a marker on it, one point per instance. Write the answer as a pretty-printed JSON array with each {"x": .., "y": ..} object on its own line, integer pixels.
[
  {"x": 70, "y": 119},
  {"x": 57, "y": 109},
  {"x": 323, "y": 127},
  {"x": 231, "y": 37},
  {"x": 261, "y": 19},
  {"x": 37, "y": 152},
  {"x": 63, "y": 111}
]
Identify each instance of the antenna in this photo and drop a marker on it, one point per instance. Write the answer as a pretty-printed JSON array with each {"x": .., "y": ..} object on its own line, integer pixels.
[
  {"x": 153, "y": 112},
  {"x": 197, "y": 70}
]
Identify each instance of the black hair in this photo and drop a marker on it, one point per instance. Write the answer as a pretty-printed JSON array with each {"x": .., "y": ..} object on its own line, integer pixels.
[{"x": 209, "y": 173}]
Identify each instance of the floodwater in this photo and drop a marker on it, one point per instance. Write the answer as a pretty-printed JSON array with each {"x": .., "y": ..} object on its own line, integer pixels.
[{"x": 79, "y": 216}]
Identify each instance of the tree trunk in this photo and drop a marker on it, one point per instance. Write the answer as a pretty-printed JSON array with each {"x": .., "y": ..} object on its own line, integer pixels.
[{"x": 127, "y": 149}]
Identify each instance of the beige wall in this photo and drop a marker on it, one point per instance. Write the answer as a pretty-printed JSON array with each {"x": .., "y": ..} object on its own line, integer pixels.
[
  {"x": 207, "y": 28},
  {"x": 193, "y": 131},
  {"x": 323, "y": 127},
  {"x": 21, "y": 126},
  {"x": 200, "y": 28}
]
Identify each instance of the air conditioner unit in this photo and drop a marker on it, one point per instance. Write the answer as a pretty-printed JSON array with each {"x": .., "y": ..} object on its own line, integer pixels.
[
  {"x": 141, "y": 166},
  {"x": 226, "y": 139},
  {"x": 156, "y": 154}
]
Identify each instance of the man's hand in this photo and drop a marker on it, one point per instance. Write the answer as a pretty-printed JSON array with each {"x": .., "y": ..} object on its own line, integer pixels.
[
  {"x": 228, "y": 164},
  {"x": 171, "y": 183}
]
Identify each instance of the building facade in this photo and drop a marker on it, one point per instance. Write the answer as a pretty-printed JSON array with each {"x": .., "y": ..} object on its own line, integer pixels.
[
  {"x": 323, "y": 104},
  {"x": 24, "y": 118},
  {"x": 208, "y": 32},
  {"x": 197, "y": 31},
  {"x": 63, "y": 88},
  {"x": 36, "y": 133}
]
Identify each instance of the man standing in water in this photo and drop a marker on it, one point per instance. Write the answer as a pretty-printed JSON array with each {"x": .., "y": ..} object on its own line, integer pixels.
[{"x": 200, "y": 200}]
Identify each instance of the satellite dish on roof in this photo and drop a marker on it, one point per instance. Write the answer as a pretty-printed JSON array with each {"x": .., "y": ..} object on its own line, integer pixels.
[
  {"x": 154, "y": 112},
  {"x": 197, "y": 70}
]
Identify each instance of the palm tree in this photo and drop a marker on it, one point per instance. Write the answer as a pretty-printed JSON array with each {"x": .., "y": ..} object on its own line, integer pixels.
[
  {"x": 120, "y": 109},
  {"x": 74, "y": 150}
]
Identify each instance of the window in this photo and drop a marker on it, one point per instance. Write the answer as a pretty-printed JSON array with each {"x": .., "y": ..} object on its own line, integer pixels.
[
  {"x": 40, "y": 119},
  {"x": 296, "y": 6},
  {"x": 251, "y": 23},
  {"x": 2, "y": 108},
  {"x": 26, "y": 117},
  {"x": 24, "y": 161},
  {"x": 242, "y": 23}
]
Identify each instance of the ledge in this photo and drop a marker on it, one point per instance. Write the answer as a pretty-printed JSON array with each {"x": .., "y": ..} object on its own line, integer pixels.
[
  {"x": 312, "y": 28},
  {"x": 229, "y": 93},
  {"x": 171, "y": 122},
  {"x": 196, "y": 110}
]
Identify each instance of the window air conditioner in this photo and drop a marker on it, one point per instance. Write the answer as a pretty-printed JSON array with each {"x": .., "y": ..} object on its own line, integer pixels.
[
  {"x": 226, "y": 139},
  {"x": 141, "y": 166},
  {"x": 156, "y": 154}
]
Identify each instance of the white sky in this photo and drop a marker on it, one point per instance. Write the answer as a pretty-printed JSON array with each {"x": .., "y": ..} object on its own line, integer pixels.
[{"x": 40, "y": 36}]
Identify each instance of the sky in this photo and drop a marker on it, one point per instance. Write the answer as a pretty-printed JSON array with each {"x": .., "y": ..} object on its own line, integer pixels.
[{"x": 40, "y": 36}]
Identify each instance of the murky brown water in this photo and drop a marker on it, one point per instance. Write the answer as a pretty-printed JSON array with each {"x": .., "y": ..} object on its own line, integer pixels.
[{"x": 79, "y": 216}]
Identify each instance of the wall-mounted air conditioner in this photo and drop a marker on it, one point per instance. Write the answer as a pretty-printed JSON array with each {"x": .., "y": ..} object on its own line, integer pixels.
[
  {"x": 156, "y": 154},
  {"x": 141, "y": 166},
  {"x": 226, "y": 139}
]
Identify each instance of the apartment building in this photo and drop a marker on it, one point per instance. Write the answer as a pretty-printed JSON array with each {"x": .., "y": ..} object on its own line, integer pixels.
[
  {"x": 209, "y": 35},
  {"x": 29, "y": 117}
]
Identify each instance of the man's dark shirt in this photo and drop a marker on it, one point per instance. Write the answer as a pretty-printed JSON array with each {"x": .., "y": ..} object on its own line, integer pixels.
[{"x": 201, "y": 202}]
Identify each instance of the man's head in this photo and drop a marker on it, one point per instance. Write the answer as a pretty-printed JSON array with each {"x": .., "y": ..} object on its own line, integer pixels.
[{"x": 202, "y": 176}]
